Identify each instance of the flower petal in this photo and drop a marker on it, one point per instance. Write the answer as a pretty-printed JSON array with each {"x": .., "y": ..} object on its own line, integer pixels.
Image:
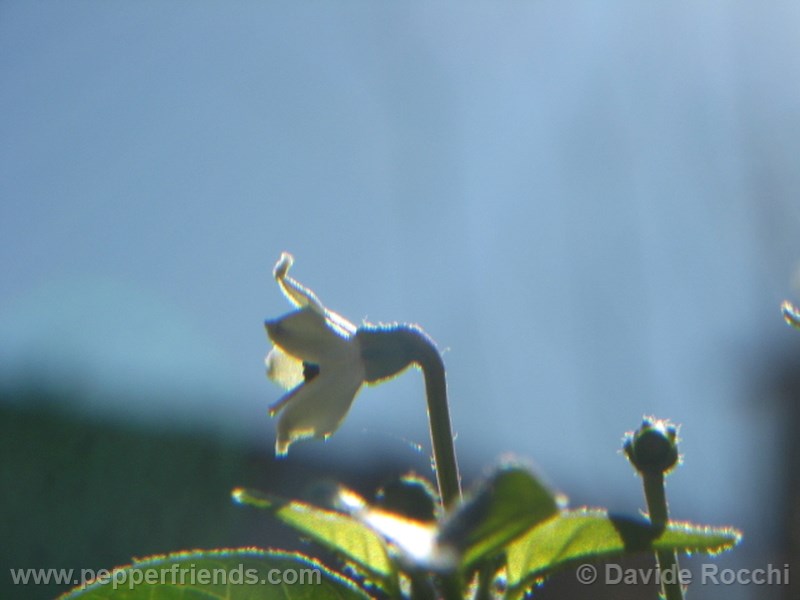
[
  {"x": 342, "y": 326},
  {"x": 316, "y": 408},
  {"x": 307, "y": 335},
  {"x": 284, "y": 369},
  {"x": 301, "y": 296},
  {"x": 298, "y": 294}
]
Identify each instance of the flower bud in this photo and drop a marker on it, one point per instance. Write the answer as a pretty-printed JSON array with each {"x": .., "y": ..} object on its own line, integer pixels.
[{"x": 653, "y": 448}]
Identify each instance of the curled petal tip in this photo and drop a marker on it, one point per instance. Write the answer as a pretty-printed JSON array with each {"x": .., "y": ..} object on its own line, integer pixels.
[
  {"x": 295, "y": 292},
  {"x": 283, "y": 265}
]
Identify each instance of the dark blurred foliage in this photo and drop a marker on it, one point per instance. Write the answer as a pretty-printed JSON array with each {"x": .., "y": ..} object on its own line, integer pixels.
[{"x": 93, "y": 495}]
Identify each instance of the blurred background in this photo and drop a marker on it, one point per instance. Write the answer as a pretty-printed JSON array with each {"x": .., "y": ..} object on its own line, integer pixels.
[{"x": 593, "y": 210}]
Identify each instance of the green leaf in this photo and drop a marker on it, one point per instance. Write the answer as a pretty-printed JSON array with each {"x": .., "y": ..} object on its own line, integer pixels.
[
  {"x": 506, "y": 505},
  {"x": 241, "y": 574},
  {"x": 584, "y": 534},
  {"x": 336, "y": 531}
]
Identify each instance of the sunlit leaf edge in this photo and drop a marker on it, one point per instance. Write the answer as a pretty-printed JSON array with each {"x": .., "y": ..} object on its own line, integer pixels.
[
  {"x": 374, "y": 561},
  {"x": 159, "y": 560}
]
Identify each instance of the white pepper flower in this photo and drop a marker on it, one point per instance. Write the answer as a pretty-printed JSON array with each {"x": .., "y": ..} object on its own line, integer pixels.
[{"x": 317, "y": 356}]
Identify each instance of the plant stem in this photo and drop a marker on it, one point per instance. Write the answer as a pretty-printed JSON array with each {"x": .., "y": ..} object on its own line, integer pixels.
[
  {"x": 486, "y": 575},
  {"x": 444, "y": 453},
  {"x": 671, "y": 588},
  {"x": 388, "y": 350},
  {"x": 421, "y": 587},
  {"x": 450, "y": 587}
]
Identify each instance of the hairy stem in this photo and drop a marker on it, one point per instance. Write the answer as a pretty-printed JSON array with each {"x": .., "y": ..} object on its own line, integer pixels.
[
  {"x": 390, "y": 349},
  {"x": 671, "y": 588},
  {"x": 444, "y": 454}
]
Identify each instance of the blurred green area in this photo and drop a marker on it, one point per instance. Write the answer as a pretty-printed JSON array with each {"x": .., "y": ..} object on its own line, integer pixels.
[{"x": 80, "y": 494}]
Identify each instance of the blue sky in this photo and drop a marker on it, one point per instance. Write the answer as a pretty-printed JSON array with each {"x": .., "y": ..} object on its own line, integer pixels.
[{"x": 593, "y": 211}]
